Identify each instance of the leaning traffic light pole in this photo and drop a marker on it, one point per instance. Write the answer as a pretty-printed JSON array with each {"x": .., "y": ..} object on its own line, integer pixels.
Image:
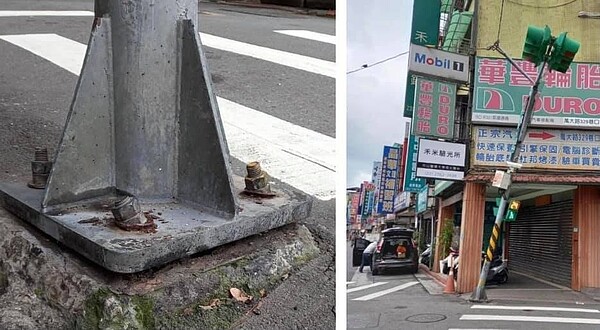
[{"x": 540, "y": 48}]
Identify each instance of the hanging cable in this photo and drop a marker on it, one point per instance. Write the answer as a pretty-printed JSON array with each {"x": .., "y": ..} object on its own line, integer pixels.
[
  {"x": 366, "y": 66},
  {"x": 500, "y": 21}
]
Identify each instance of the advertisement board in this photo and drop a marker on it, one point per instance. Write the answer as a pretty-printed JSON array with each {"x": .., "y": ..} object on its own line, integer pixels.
[
  {"x": 542, "y": 148},
  {"x": 389, "y": 177},
  {"x": 434, "y": 109},
  {"x": 567, "y": 100},
  {"x": 437, "y": 63},
  {"x": 441, "y": 160},
  {"x": 412, "y": 183}
]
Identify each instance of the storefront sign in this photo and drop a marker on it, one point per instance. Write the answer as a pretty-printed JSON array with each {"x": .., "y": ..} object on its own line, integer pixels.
[
  {"x": 567, "y": 100},
  {"x": 425, "y": 31},
  {"x": 389, "y": 179},
  {"x": 411, "y": 182},
  {"x": 441, "y": 160},
  {"x": 425, "y": 22},
  {"x": 422, "y": 198},
  {"x": 542, "y": 148},
  {"x": 434, "y": 109},
  {"x": 402, "y": 201},
  {"x": 438, "y": 64}
]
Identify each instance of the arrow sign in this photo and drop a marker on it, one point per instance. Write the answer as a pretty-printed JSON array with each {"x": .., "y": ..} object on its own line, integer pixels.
[{"x": 542, "y": 135}]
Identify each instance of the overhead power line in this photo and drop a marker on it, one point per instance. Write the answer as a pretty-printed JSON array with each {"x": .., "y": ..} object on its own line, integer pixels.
[{"x": 366, "y": 66}]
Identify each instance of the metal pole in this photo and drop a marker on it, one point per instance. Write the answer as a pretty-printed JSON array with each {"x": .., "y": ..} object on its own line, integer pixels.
[{"x": 479, "y": 294}]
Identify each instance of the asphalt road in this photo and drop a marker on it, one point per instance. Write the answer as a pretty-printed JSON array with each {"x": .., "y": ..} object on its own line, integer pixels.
[
  {"x": 35, "y": 94},
  {"x": 415, "y": 301}
]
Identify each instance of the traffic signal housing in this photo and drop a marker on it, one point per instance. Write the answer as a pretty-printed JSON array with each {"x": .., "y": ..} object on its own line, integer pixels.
[
  {"x": 536, "y": 45},
  {"x": 563, "y": 53},
  {"x": 513, "y": 209}
]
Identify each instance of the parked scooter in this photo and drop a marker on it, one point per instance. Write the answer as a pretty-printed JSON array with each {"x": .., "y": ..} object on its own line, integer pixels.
[
  {"x": 455, "y": 258},
  {"x": 425, "y": 257},
  {"x": 498, "y": 269}
]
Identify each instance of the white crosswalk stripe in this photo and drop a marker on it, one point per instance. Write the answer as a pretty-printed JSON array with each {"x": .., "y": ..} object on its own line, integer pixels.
[
  {"x": 280, "y": 57},
  {"x": 510, "y": 318},
  {"x": 295, "y": 155},
  {"x": 30, "y": 13},
  {"x": 364, "y": 287},
  {"x": 309, "y": 35},
  {"x": 387, "y": 291}
]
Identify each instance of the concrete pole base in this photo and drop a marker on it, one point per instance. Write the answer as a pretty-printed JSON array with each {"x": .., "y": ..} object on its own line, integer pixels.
[{"x": 181, "y": 230}]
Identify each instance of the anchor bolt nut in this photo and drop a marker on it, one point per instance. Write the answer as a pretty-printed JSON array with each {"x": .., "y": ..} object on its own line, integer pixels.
[
  {"x": 40, "y": 169},
  {"x": 128, "y": 211},
  {"x": 257, "y": 179}
]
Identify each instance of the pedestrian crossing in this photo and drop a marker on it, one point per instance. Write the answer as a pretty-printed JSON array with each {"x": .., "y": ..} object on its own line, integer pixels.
[
  {"x": 507, "y": 316},
  {"x": 293, "y": 154},
  {"x": 364, "y": 287}
]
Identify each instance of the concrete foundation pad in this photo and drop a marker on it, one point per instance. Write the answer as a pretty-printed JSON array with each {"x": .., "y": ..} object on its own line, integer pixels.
[{"x": 182, "y": 230}]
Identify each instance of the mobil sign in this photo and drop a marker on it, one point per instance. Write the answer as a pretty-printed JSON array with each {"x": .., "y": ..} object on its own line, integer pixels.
[{"x": 433, "y": 62}]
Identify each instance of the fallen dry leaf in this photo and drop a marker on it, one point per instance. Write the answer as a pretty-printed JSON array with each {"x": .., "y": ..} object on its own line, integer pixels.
[
  {"x": 263, "y": 293},
  {"x": 188, "y": 311},
  {"x": 213, "y": 304},
  {"x": 239, "y": 295}
]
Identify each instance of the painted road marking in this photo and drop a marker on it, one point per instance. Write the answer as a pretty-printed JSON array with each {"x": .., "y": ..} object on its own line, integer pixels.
[
  {"x": 21, "y": 13},
  {"x": 475, "y": 329},
  {"x": 537, "y": 308},
  {"x": 293, "y": 154},
  {"x": 384, "y": 292},
  {"x": 349, "y": 283},
  {"x": 517, "y": 318},
  {"x": 292, "y": 60},
  {"x": 305, "y": 34},
  {"x": 364, "y": 287}
]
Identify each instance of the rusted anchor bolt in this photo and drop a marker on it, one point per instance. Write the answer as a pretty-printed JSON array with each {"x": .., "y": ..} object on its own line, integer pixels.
[
  {"x": 127, "y": 212},
  {"x": 40, "y": 169},
  {"x": 257, "y": 180}
]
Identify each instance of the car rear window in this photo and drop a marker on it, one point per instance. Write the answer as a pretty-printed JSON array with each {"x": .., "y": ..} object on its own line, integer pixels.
[{"x": 396, "y": 247}]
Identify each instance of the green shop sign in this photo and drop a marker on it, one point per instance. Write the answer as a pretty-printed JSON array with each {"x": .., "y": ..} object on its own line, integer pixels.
[
  {"x": 570, "y": 99},
  {"x": 411, "y": 182},
  {"x": 424, "y": 32},
  {"x": 422, "y": 198},
  {"x": 434, "y": 109}
]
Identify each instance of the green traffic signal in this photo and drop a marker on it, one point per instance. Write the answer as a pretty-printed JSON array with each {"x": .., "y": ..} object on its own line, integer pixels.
[
  {"x": 536, "y": 44},
  {"x": 563, "y": 53}
]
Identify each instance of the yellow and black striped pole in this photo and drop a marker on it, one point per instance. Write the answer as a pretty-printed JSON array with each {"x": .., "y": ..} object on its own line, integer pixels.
[{"x": 493, "y": 242}]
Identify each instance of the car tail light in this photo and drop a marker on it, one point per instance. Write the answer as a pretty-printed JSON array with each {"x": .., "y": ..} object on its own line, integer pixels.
[{"x": 379, "y": 246}]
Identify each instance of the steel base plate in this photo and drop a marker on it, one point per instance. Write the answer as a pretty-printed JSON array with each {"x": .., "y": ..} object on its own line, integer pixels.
[{"x": 181, "y": 230}]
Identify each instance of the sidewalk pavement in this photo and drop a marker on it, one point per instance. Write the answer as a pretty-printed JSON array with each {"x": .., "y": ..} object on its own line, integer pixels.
[{"x": 523, "y": 288}]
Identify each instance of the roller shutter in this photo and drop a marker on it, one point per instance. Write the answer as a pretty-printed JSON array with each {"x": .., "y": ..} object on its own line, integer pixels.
[{"x": 540, "y": 242}]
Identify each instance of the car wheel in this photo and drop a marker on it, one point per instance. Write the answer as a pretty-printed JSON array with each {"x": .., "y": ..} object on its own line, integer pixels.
[{"x": 415, "y": 269}]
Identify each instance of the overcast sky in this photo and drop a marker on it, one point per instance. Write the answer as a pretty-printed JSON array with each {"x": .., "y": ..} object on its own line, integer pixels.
[{"x": 377, "y": 29}]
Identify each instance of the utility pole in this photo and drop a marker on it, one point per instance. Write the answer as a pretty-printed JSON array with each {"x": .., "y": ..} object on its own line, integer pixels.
[{"x": 540, "y": 48}]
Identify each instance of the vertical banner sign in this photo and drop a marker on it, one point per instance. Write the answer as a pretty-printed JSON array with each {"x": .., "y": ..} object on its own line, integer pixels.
[
  {"x": 368, "y": 201},
  {"x": 434, "y": 109},
  {"x": 422, "y": 197},
  {"x": 389, "y": 176},
  {"x": 424, "y": 31},
  {"x": 411, "y": 182}
]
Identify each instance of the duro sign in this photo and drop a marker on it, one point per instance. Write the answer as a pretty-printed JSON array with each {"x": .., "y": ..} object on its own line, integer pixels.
[{"x": 437, "y": 63}]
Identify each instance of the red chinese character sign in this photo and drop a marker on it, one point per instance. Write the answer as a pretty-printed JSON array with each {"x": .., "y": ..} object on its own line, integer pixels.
[
  {"x": 434, "y": 106},
  {"x": 570, "y": 99}
]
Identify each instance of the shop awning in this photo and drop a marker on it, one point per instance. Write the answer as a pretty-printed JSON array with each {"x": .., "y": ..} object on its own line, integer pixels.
[{"x": 539, "y": 178}]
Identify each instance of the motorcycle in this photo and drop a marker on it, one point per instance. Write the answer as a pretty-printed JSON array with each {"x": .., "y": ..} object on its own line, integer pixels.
[{"x": 498, "y": 270}]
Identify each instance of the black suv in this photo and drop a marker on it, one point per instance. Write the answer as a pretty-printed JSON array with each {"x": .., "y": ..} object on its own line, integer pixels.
[{"x": 396, "y": 250}]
